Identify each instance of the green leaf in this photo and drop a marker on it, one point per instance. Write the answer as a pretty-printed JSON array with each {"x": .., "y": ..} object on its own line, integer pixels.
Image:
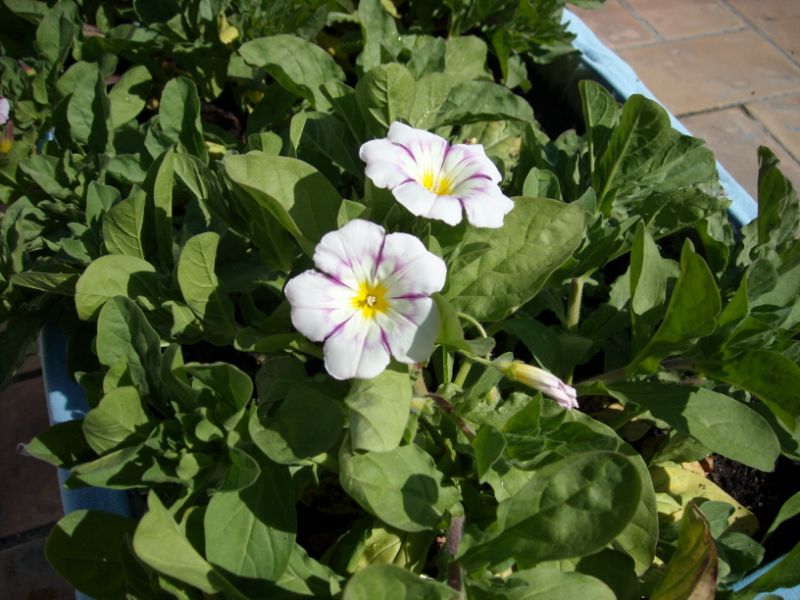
[
  {"x": 570, "y": 508},
  {"x": 692, "y": 570},
  {"x": 123, "y": 226},
  {"x": 790, "y": 509},
  {"x": 768, "y": 375},
  {"x": 378, "y": 410},
  {"x": 179, "y": 116},
  {"x": 300, "y": 198},
  {"x": 123, "y": 333},
  {"x": 778, "y": 209},
  {"x": 782, "y": 575},
  {"x": 85, "y": 548},
  {"x": 719, "y": 422},
  {"x": 542, "y": 583},
  {"x": 385, "y": 95},
  {"x": 691, "y": 314},
  {"x": 250, "y": 533},
  {"x": 431, "y": 92},
  {"x": 117, "y": 420},
  {"x": 465, "y": 58},
  {"x": 200, "y": 287},
  {"x": 389, "y": 582},
  {"x": 475, "y": 101},
  {"x": 306, "y": 424},
  {"x": 645, "y": 155},
  {"x": 159, "y": 183},
  {"x": 88, "y": 112},
  {"x": 488, "y": 446},
  {"x": 379, "y": 32},
  {"x": 113, "y": 275},
  {"x": 129, "y": 95},
  {"x": 649, "y": 275},
  {"x": 56, "y": 33},
  {"x": 601, "y": 116},
  {"x": 296, "y": 64},
  {"x": 159, "y": 542},
  {"x": 515, "y": 261},
  {"x": 541, "y": 183},
  {"x": 402, "y": 487}
]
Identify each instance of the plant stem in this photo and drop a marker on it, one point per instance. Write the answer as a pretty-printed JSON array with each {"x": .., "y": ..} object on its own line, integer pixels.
[
  {"x": 461, "y": 376},
  {"x": 474, "y": 322},
  {"x": 449, "y": 410},
  {"x": 463, "y": 372},
  {"x": 574, "y": 302},
  {"x": 454, "y": 533}
]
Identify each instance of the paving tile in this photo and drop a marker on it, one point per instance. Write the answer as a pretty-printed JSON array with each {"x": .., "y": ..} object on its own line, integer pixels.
[
  {"x": 684, "y": 18},
  {"x": 29, "y": 495},
  {"x": 781, "y": 116},
  {"x": 710, "y": 72},
  {"x": 614, "y": 25},
  {"x": 734, "y": 137},
  {"x": 778, "y": 19},
  {"x": 25, "y": 574}
]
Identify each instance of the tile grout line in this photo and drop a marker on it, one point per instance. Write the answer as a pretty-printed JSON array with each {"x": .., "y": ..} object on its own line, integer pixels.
[
  {"x": 641, "y": 20},
  {"x": 762, "y": 34},
  {"x": 734, "y": 104},
  {"x": 19, "y": 539},
  {"x": 770, "y": 135},
  {"x": 688, "y": 38}
]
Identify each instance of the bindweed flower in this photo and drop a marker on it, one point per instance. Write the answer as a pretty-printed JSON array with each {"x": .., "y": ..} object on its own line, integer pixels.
[
  {"x": 5, "y": 110},
  {"x": 539, "y": 379},
  {"x": 435, "y": 179},
  {"x": 368, "y": 300}
]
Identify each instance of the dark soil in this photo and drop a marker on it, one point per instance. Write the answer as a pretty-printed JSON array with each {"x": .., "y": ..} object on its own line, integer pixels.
[{"x": 764, "y": 494}]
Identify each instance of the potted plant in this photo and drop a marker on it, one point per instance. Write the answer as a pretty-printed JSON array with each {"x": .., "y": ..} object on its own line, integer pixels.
[{"x": 363, "y": 323}]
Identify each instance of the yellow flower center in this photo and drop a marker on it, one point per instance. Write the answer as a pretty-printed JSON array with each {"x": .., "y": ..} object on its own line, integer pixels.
[
  {"x": 370, "y": 299},
  {"x": 442, "y": 187}
]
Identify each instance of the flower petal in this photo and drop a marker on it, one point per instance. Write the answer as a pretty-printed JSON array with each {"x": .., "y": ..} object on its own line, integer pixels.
[
  {"x": 349, "y": 254},
  {"x": 5, "y": 108},
  {"x": 424, "y": 203},
  {"x": 411, "y": 327},
  {"x": 468, "y": 161},
  {"x": 427, "y": 151},
  {"x": 486, "y": 206},
  {"x": 356, "y": 349},
  {"x": 406, "y": 268},
  {"x": 319, "y": 304},
  {"x": 388, "y": 165}
]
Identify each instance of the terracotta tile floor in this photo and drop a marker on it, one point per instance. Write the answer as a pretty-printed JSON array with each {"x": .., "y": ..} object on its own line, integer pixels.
[{"x": 729, "y": 68}]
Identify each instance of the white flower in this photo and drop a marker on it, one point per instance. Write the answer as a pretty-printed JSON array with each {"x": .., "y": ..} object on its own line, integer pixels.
[
  {"x": 544, "y": 381},
  {"x": 435, "y": 179},
  {"x": 369, "y": 299},
  {"x": 4, "y": 110}
]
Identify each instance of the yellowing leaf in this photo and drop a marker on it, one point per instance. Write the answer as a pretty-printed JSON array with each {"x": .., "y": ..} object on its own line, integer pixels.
[{"x": 676, "y": 486}]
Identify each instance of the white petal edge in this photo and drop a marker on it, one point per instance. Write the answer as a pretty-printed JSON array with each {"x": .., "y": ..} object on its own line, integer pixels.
[
  {"x": 349, "y": 253},
  {"x": 411, "y": 328},
  {"x": 388, "y": 165},
  {"x": 356, "y": 349},
  {"x": 424, "y": 203},
  {"x": 319, "y": 305},
  {"x": 407, "y": 268},
  {"x": 487, "y": 208}
]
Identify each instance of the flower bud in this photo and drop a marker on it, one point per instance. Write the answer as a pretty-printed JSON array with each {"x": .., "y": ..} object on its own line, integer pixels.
[
  {"x": 7, "y": 138},
  {"x": 539, "y": 379}
]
